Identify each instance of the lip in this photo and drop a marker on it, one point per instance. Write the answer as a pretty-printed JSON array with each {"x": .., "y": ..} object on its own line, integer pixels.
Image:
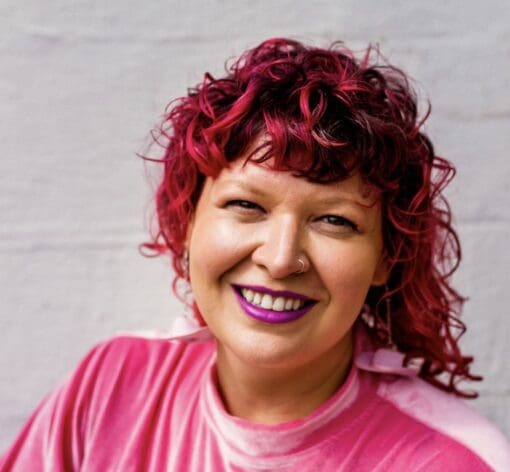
[{"x": 270, "y": 316}]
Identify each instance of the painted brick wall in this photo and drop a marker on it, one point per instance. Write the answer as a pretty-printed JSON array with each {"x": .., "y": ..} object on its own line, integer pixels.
[{"x": 82, "y": 83}]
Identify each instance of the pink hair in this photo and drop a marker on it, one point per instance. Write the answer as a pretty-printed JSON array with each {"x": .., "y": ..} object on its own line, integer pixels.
[{"x": 328, "y": 115}]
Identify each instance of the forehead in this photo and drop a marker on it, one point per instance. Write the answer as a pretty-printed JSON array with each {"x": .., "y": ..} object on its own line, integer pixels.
[{"x": 262, "y": 178}]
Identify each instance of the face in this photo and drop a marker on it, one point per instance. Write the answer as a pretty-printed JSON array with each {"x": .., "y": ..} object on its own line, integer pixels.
[{"x": 250, "y": 227}]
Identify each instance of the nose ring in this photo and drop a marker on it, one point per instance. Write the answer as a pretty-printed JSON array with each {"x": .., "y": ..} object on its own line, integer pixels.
[{"x": 302, "y": 266}]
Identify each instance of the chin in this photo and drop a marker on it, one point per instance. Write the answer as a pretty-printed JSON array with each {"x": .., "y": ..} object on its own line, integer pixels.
[{"x": 267, "y": 350}]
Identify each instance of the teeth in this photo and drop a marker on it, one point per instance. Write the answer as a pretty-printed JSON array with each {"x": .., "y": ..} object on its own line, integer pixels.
[
  {"x": 269, "y": 302},
  {"x": 248, "y": 294},
  {"x": 279, "y": 304}
]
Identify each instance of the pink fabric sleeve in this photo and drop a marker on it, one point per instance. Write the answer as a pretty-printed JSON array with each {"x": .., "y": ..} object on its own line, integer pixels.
[{"x": 51, "y": 440}]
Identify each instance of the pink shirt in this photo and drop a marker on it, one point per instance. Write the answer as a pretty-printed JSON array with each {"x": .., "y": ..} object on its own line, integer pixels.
[{"x": 151, "y": 405}]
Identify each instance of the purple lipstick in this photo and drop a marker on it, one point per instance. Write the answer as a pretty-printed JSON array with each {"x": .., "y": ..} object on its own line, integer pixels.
[{"x": 301, "y": 304}]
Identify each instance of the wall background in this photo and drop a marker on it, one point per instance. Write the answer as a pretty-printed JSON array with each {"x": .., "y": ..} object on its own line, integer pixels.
[{"x": 82, "y": 83}]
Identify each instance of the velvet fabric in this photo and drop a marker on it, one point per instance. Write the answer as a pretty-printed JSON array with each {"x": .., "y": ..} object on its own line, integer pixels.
[{"x": 136, "y": 404}]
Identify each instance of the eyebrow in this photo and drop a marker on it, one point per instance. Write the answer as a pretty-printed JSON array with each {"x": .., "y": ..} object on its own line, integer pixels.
[
  {"x": 341, "y": 200},
  {"x": 333, "y": 200},
  {"x": 245, "y": 186}
]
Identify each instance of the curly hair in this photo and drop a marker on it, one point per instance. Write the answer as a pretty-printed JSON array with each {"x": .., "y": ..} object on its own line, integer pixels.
[{"x": 329, "y": 115}]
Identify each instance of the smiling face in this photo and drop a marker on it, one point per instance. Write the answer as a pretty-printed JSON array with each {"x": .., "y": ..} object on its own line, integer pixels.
[{"x": 250, "y": 227}]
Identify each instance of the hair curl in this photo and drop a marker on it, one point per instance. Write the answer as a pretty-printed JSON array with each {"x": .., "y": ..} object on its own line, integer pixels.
[{"x": 328, "y": 115}]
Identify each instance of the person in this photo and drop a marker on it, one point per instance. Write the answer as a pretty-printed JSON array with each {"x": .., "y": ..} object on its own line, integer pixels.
[{"x": 303, "y": 205}]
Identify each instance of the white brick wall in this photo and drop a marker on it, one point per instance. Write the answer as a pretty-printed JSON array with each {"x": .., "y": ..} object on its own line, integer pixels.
[{"x": 82, "y": 82}]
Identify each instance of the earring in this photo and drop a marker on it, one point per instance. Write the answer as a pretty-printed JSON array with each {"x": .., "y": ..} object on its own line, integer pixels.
[
  {"x": 386, "y": 360},
  {"x": 389, "y": 338},
  {"x": 185, "y": 265}
]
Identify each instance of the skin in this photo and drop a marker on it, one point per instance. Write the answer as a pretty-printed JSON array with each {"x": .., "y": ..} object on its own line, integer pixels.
[{"x": 250, "y": 226}]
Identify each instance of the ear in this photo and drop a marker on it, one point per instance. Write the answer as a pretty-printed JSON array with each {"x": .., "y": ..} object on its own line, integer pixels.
[{"x": 382, "y": 271}]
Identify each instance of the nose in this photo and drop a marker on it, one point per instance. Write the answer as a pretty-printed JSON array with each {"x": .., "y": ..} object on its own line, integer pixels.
[{"x": 280, "y": 249}]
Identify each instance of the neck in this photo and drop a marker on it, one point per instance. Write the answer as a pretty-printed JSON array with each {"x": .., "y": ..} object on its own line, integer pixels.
[{"x": 270, "y": 395}]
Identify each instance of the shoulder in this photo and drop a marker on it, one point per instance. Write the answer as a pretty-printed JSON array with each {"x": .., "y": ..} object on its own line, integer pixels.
[
  {"x": 141, "y": 349},
  {"x": 125, "y": 368},
  {"x": 126, "y": 375},
  {"x": 133, "y": 357},
  {"x": 448, "y": 416},
  {"x": 115, "y": 389}
]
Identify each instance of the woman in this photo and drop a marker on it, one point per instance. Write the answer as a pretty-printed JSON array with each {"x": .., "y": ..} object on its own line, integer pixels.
[{"x": 303, "y": 205}]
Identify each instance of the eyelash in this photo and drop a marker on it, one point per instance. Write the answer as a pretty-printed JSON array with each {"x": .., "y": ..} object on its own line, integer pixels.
[
  {"x": 337, "y": 220},
  {"x": 340, "y": 219},
  {"x": 244, "y": 204}
]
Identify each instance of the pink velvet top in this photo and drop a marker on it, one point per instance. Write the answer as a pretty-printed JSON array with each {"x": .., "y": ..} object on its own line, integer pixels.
[{"x": 135, "y": 404}]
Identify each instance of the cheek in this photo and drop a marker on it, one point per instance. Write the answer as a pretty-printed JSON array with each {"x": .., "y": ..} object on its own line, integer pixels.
[
  {"x": 216, "y": 247},
  {"x": 349, "y": 271}
]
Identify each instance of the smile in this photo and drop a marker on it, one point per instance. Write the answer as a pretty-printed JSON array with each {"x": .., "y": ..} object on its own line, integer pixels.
[{"x": 272, "y": 306}]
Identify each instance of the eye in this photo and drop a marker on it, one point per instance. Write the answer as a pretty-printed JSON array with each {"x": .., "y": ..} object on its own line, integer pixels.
[
  {"x": 243, "y": 205},
  {"x": 340, "y": 222}
]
